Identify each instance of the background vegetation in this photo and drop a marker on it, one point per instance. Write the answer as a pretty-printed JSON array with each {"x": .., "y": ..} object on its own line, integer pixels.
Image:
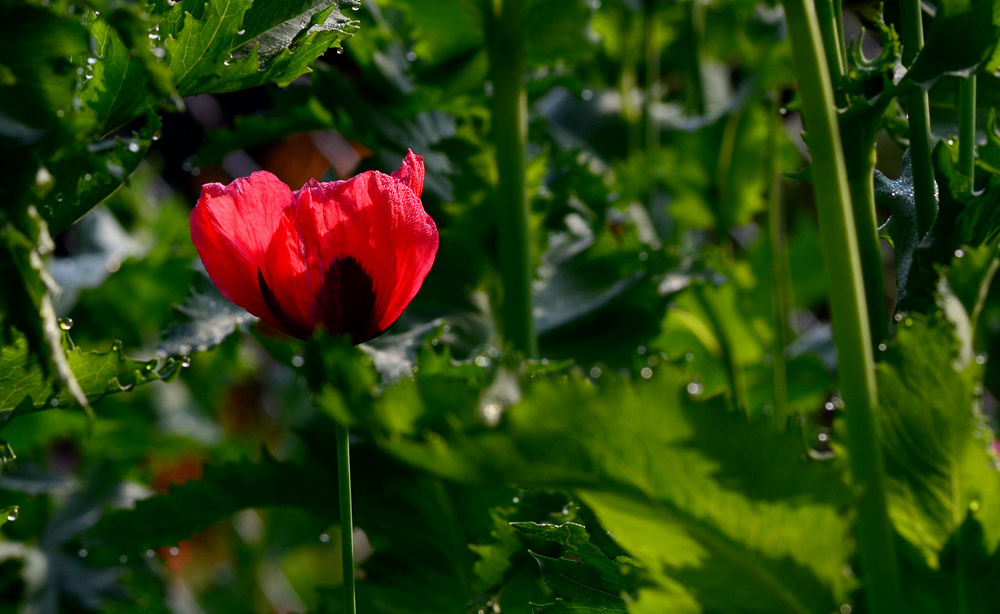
[{"x": 619, "y": 388}]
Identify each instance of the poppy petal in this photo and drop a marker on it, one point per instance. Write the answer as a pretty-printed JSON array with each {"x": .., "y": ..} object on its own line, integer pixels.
[
  {"x": 285, "y": 274},
  {"x": 378, "y": 221},
  {"x": 411, "y": 172},
  {"x": 231, "y": 227}
]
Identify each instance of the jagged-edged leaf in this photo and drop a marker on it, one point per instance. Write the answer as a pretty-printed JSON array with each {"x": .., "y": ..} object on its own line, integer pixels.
[
  {"x": 584, "y": 577},
  {"x": 668, "y": 476},
  {"x": 209, "y": 319},
  {"x": 97, "y": 373},
  {"x": 165, "y": 519},
  {"x": 85, "y": 175},
  {"x": 896, "y": 195},
  {"x": 972, "y": 25},
  {"x": 207, "y": 52},
  {"x": 934, "y": 438}
]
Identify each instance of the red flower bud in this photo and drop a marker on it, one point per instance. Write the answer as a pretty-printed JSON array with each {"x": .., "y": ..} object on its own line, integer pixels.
[{"x": 346, "y": 256}]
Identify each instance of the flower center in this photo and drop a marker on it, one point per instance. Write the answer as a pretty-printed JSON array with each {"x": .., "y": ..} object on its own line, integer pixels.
[{"x": 348, "y": 300}]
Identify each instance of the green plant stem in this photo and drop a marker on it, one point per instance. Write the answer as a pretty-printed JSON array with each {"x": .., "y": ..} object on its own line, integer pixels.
[
  {"x": 838, "y": 13},
  {"x": 967, "y": 127},
  {"x": 919, "y": 116},
  {"x": 509, "y": 133},
  {"x": 856, "y": 367},
  {"x": 781, "y": 289},
  {"x": 832, "y": 41},
  {"x": 862, "y": 188},
  {"x": 346, "y": 515}
]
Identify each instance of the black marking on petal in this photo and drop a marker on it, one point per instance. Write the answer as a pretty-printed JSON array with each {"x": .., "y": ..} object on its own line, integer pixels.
[
  {"x": 348, "y": 300},
  {"x": 288, "y": 324}
]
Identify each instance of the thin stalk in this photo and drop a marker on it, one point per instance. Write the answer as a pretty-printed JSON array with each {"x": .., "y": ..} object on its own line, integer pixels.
[
  {"x": 838, "y": 13},
  {"x": 346, "y": 515},
  {"x": 781, "y": 290},
  {"x": 651, "y": 53},
  {"x": 919, "y": 116},
  {"x": 852, "y": 337},
  {"x": 967, "y": 127},
  {"x": 862, "y": 188},
  {"x": 832, "y": 41},
  {"x": 510, "y": 128}
]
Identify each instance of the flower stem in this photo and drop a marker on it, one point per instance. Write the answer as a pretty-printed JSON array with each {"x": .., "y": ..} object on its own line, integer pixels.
[
  {"x": 919, "y": 116},
  {"x": 510, "y": 129},
  {"x": 860, "y": 180},
  {"x": 346, "y": 515},
  {"x": 856, "y": 367},
  {"x": 967, "y": 127},
  {"x": 781, "y": 290}
]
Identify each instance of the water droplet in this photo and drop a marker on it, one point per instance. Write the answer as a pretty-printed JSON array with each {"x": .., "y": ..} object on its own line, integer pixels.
[
  {"x": 153, "y": 36},
  {"x": 829, "y": 406},
  {"x": 595, "y": 4},
  {"x": 133, "y": 147},
  {"x": 356, "y": 7},
  {"x": 123, "y": 559},
  {"x": 87, "y": 176},
  {"x": 12, "y": 513},
  {"x": 845, "y": 608},
  {"x": 595, "y": 372},
  {"x": 411, "y": 56},
  {"x": 91, "y": 61},
  {"x": 689, "y": 357},
  {"x": 65, "y": 323},
  {"x": 159, "y": 52},
  {"x": 951, "y": 142},
  {"x": 823, "y": 437},
  {"x": 783, "y": 111},
  {"x": 60, "y": 113},
  {"x": 488, "y": 88},
  {"x": 640, "y": 350},
  {"x": 587, "y": 94},
  {"x": 643, "y": 256},
  {"x": 482, "y": 361},
  {"x": 646, "y": 373},
  {"x": 980, "y": 359},
  {"x": 82, "y": 553},
  {"x": 882, "y": 347},
  {"x": 54, "y": 402},
  {"x": 185, "y": 362},
  {"x": 174, "y": 551},
  {"x": 491, "y": 413},
  {"x": 241, "y": 31},
  {"x": 517, "y": 499},
  {"x": 225, "y": 62},
  {"x": 150, "y": 554},
  {"x": 340, "y": 51},
  {"x": 898, "y": 317},
  {"x": 694, "y": 388},
  {"x": 324, "y": 538}
]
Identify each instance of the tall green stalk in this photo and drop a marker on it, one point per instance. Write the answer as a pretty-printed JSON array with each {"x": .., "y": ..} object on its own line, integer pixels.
[
  {"x": 510, "y": 128},
  {"x": 346, "y": 515},
  {"x": 919, "y": 116},
  {"x": 967, "y": 127},
  {"x": 781, "y": 290},
  {"x": 862, "y": 188},
  {"x": 856, "y": 368}
]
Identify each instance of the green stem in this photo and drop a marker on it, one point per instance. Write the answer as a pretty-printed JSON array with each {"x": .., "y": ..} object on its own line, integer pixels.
[
  {"x": 967, "y": 128},
  {"x": 832, "y": 41},
  {"x": 781, "y": 290},
  {"x": 346, "y": 515},
  {"x": 919, "y": 116},
  {"x": 856, "y": 366},
  {"x": 510, "y": 129},
  {"x": 838, "y": 13},
  {"x": 862, "y": 188},
  {"x": 651, "y": 52}
]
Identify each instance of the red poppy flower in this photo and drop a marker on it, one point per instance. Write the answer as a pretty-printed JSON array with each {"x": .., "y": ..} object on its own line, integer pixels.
[{"x": 347, "y": 256}]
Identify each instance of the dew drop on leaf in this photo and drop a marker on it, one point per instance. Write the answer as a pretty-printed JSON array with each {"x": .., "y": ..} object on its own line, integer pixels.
[
  {"x": 646, "y": 373},
  {"x": 694, "y": 388},
  {"x": 133, "y": 147},
  {"x": 595, "y": 372},
  {"x": 12, "y": 513},
  {"x": 185, "y": 362},
  {"x": 298, "y": 361},
  {"x": 174, "y": 551},
  {"x": 123, "y": 559},
  {"x": 82, "y": 553},
  {"x": 324, "y": 538},
  {"x": 65, "y": 323}
]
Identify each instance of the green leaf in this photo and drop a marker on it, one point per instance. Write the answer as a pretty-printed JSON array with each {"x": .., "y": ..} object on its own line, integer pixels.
[
  {"x": 584, "y": 576},
  {"x": 208, "y": 53},
  {"x": 934, "y": 438},
  {"x": 668, "y": 476},
  {"x": 940, "y": 55},
  {"x": 166, "y": 519},
  {"x": 210, "y": 318},
  {"x": 24, "y": 386}
]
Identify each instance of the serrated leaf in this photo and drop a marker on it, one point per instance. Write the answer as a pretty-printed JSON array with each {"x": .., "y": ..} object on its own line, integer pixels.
[
  {"x": 667, "y": 476},
  {"x": 210, "y": 318},
  {"x": 208, "y": 53},
  {"x": 225, "y": 489},
  {"x": 940, "y": 55},
  {"x": 934, "y": 438},
  {"x": 22, "y": 380},
  {"x": 587, "y": 579}
]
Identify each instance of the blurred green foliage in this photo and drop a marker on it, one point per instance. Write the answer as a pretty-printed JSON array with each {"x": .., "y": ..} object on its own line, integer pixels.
[{"x": 677, "y": 446}]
